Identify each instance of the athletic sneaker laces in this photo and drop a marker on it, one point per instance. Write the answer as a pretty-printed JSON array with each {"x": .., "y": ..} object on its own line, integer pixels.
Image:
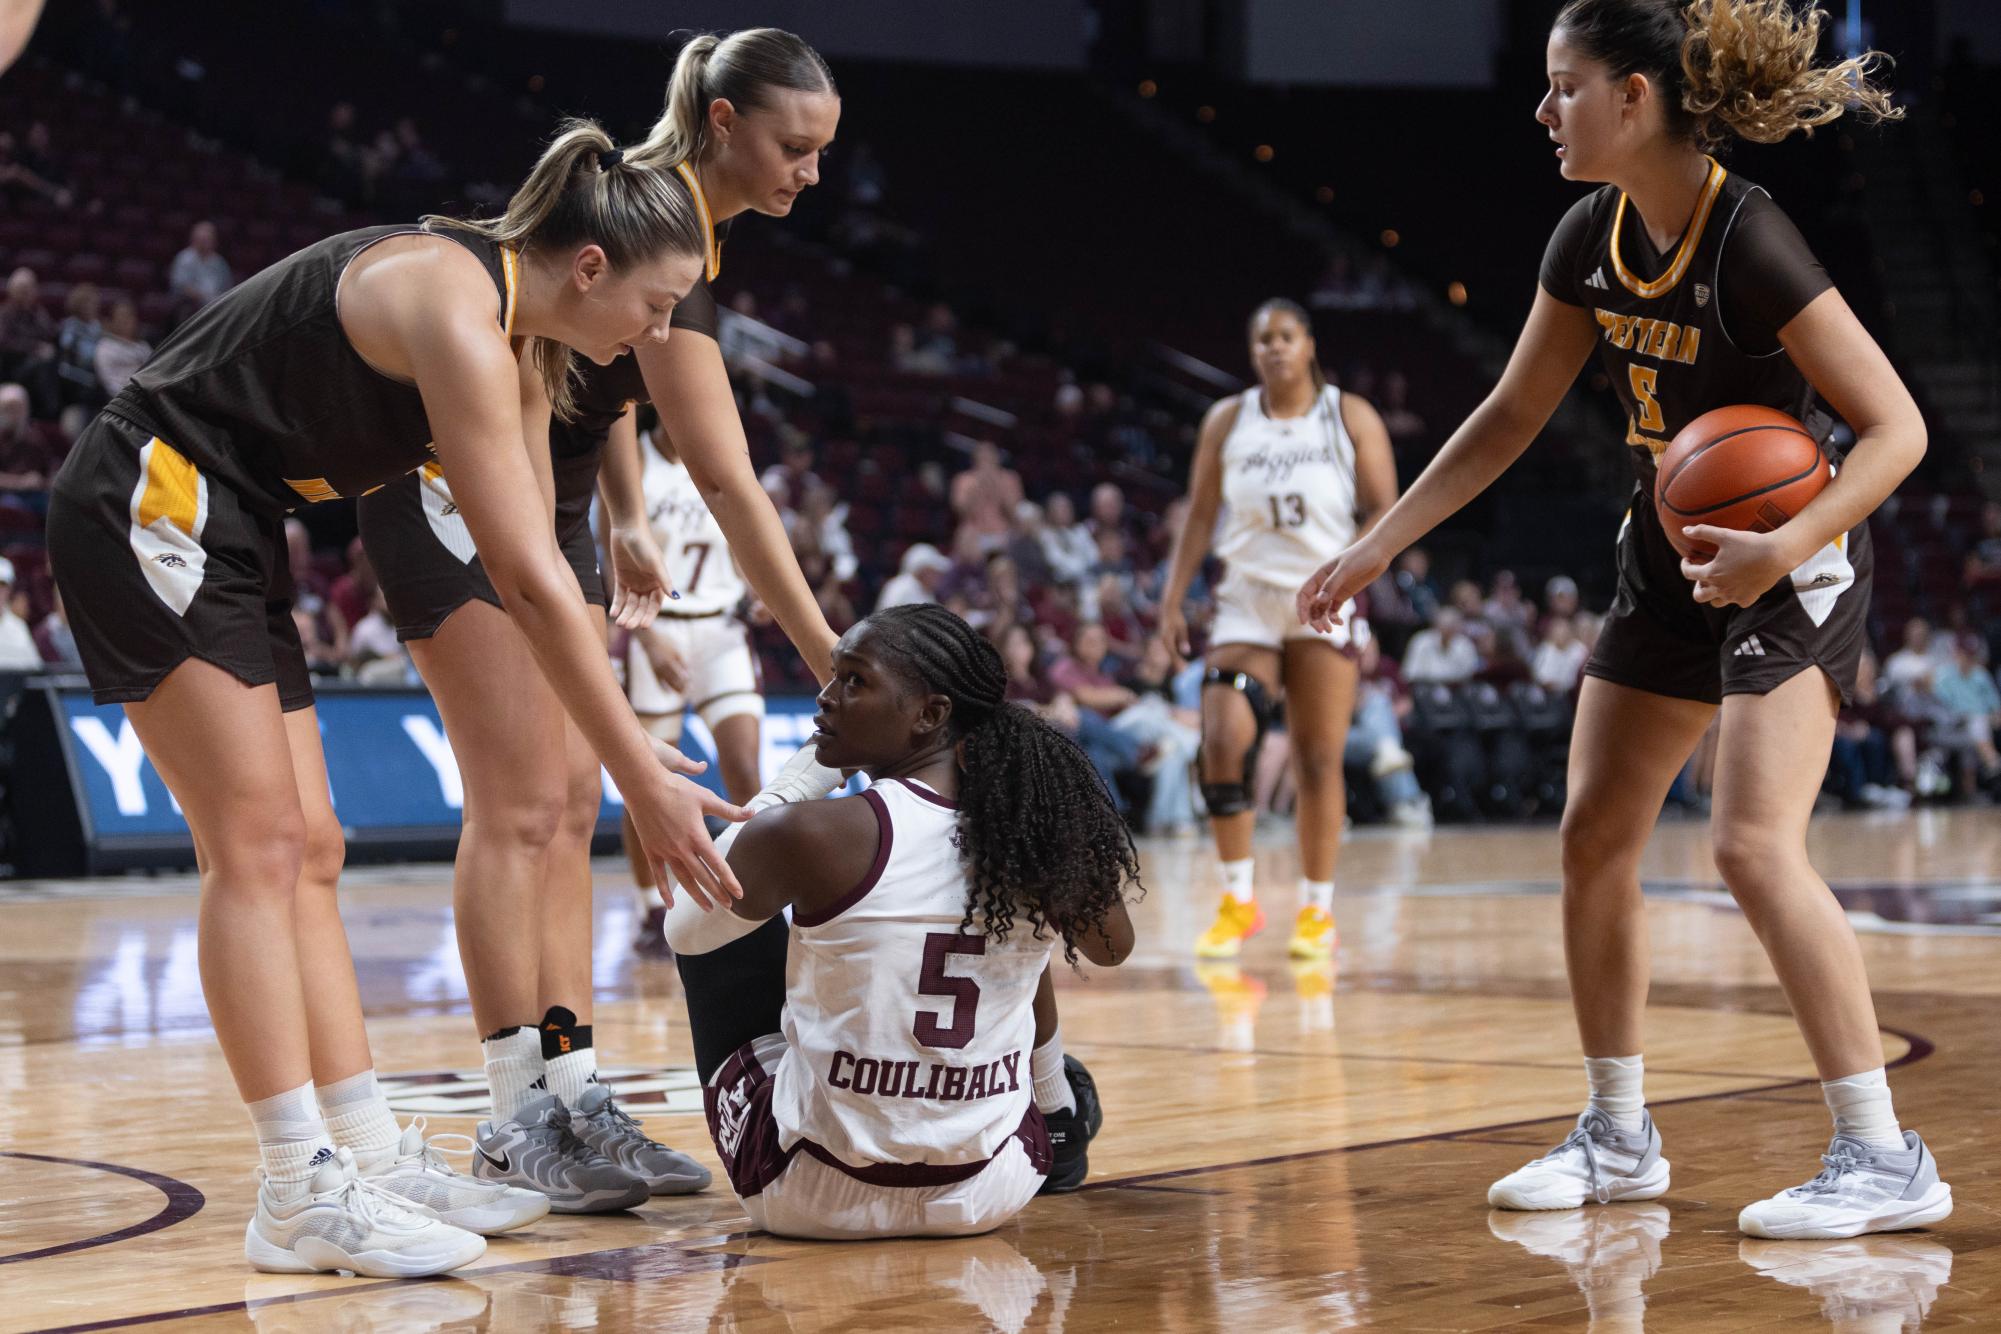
[
  {"x": 339, "y": 1182},
  {"x": 1594, "y": 1131}
]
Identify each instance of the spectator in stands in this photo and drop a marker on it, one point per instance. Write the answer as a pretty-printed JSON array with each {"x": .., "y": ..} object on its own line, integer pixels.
[
  {"x": 1559, "y": 658},
  {"x": 1125, "y": 630},
  {"x": 1170, "y": 738},
  {"x": 1874, "y": 759},
  {"x": 1907, "y": 673},
  {"x": 1082, "y": 673},
  {"x": 415, "y": 162},
  {"x": 911, "y": 357},
  {"x": 352, "y": 592},
  {"x": 17, "y": 642},
  {"x": 1972, "y": 708},
  {"x": 1066, "y": 543},
  {"x": 1511, "y": 614},
  {"x": 1414, "y": 581},
  {"x": 1109, "y": 511},
  {"x": 309, "y": 594},
  {"x": 831, "y": 593},
  {"x": 1502, "y": 662},
  {"x": 28, "y": 343},
  {"x": 56, "y": 642},
  {"x": 25, "y": 465},
  {"x": 1467, "y": 600},
  {"x": 1403, "y": 424},
  {"x": 199, "y": 274},
  {"x": 340, "y": 154},
  {"x": 76, "y": 349},
  {"x": 1375, "y": 738},
  {"x": 822, "y": 523},
  {"x": 1984, "y": 562},
  {"x": 1443, "y": 652},
  {"x": 984, "y": 496},
  {"x": 374, "y": 635},
  {"x": 792, "y": 475},
  {"x": 1559, "y": 599},
  {"x": 121, "y": 351},
  {"x": 1024, "y": 544},
  {"x": 1110, "y": 751},
  {"x": 917, "y": 578},
  {"x": 938, "y": 341},
  {"x": 1338, "y": 288}
]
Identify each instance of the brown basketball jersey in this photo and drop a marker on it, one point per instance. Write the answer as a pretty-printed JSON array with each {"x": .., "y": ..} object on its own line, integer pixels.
[{"x": 1696, "y": 328}]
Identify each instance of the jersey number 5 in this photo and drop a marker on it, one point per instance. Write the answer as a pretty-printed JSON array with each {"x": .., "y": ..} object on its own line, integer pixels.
[
  {"x": 1288, "y": 511},
  {"x": 1644, "y": 380},
  {"x": 964, "y": 991}
]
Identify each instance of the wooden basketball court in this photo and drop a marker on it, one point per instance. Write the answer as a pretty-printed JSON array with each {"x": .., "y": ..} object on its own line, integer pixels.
[{"x": 1284, "y": 1148}]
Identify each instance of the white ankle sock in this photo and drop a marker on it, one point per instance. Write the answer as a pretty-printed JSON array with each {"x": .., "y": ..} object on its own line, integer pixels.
[
  {"x": 1861, "y": 1107},
  {"x": 290, "y": 1136},
  {"x": 513, "y": 1062},
  {"x": 571, "y": 1073},
  {"x": 1316, "y": 894},
  {"x": 1616, "y": 1088},
  {"x": 1237, "y": 879},
  {"x": 358, "y": 1115},
  {"x": 1052, "y": 1086}
]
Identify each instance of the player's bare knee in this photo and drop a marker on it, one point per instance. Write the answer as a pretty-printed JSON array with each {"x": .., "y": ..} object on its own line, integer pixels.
[
  {"x": 261, "y": 856},
  {"x": 324, "y": 852},
  {"x": 1317, "y": 764},
  {"x": 1596, "y": 840},
  {"x": 1750, "y": 857},
  {"x": 527, "y": 818}
]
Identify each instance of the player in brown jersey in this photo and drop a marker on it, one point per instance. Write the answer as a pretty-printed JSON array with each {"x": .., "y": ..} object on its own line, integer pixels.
[
  {"x": 334, "y": 371},
  {"x": 746, "y": 119},
  {"x": 1699, "y": 294}
]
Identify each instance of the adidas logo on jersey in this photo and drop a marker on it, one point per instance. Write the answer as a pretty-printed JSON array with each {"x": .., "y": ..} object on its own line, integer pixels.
[
  {"x": 1750, "y": 648},
  {"x": 1597, "y": 280}
]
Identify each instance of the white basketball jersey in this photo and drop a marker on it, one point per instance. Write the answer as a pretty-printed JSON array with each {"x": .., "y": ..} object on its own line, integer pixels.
[
  {"x": 907, "y": 1041},
  {"x": 698, "y": 558},
  {"x": 1288, "y": 491}
]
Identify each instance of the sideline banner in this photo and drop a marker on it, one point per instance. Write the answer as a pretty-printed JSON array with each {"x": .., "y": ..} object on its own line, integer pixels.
[{"x": 88, "y": 800}]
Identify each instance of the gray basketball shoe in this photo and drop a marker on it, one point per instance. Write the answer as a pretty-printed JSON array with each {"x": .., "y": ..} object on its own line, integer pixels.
[
  {"x": 605, "y": 1126},
  {"x": 539, "y": 1150},
  {"x": 1861, "y": 1188}
]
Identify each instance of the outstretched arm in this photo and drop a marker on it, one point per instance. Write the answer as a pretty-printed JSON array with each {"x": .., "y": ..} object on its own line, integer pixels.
[
  {"x": 691, "y": 389},
  {"x": 1554, "y": 345}
]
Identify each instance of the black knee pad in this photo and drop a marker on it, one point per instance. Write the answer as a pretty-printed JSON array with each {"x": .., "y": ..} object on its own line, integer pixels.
[{"x": 1235, "y": 798}]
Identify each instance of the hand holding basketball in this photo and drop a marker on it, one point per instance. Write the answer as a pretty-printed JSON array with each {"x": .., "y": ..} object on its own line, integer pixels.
[
  {"x": 1742, "y": 566},
  {"x": 1744, "y": 467}
]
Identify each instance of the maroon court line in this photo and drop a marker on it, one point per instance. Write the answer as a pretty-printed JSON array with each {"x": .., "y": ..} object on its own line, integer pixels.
[
  {"x": 1920, "y": 1048},
  {"x": 183, "y": 1202}
]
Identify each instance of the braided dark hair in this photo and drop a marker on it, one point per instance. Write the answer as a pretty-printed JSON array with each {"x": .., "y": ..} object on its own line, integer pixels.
[{"x": 1038, "y": 833}]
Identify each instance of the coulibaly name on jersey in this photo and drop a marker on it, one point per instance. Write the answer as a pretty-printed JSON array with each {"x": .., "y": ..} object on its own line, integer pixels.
[
  {"x": 1279, "y": 464},
  {"x": 1662, "y": 339},
  {"x": 930, "y": 1080}
]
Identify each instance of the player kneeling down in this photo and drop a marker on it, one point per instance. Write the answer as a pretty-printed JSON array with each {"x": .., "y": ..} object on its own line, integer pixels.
[{"x": 900, "y": 1073}]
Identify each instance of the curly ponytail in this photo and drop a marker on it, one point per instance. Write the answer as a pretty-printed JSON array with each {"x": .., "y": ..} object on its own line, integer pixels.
[
  {"x": 1038, "y": 834},
  {"x": 1729, "y": 68},
  {"x": 1750, "y": 73}
]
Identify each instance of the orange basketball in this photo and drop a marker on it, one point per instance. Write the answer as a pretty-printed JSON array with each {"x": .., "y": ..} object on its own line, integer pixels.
[{"x": 1745, "y": 467}]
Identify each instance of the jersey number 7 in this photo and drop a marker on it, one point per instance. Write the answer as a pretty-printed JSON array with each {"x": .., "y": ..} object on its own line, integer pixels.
[{"x": 964, "y": 991}]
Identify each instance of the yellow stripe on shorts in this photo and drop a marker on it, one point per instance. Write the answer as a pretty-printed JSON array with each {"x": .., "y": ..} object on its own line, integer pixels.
[{"x": 173, "y": 489}]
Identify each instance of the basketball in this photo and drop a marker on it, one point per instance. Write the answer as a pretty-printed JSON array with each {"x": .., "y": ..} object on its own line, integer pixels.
[{"x": 1744, "y": 467}]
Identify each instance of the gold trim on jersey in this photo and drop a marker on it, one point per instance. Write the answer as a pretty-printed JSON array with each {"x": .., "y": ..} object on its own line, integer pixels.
[
  {"x": 510, "y": 272},
  {"x": 313, "y": 489},
  {"x": 714, "y": 258},
  {"x": 1664, "y": 284}
]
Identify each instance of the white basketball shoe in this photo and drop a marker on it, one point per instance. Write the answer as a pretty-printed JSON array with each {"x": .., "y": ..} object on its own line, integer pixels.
[
  {"x": 416, "y": 1173},
  {"x": 1597, "y": 1164},
  {"x": 339, "y": 1221}
]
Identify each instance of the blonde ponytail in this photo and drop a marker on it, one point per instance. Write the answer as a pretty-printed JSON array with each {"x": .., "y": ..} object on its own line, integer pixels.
[
  {"x": 743, "y": 69},
  {"x": 1749, "y": 71},
  {"x": 583, "y": 191}
]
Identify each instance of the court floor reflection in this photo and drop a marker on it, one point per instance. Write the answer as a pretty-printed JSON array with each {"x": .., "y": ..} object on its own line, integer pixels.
[
  {"x": 1609, "y": 1251},
  {"x": 1870, "y": 1285}
]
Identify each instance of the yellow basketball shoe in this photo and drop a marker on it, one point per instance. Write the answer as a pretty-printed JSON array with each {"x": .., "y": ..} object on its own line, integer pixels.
[
  {"x": 1313, "y": 935},
  {"x": 1236, "y": 921}
]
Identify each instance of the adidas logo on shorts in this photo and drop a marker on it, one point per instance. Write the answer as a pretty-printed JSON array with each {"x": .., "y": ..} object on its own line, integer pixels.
[{"x": 1750, "y": 648}]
